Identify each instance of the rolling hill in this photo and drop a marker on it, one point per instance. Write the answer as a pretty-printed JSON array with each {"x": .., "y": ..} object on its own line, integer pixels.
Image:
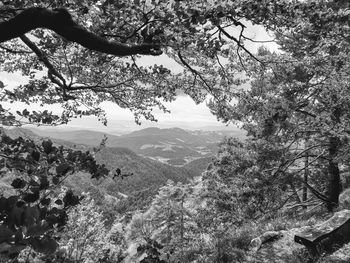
[
  {"x": 172, "y": 146},
  {"x": 91, "y": 138}
]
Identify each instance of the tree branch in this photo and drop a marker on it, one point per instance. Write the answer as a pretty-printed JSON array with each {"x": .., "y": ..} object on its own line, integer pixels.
[
  {"x": 13, "y": 51},
  {"x": 303, "y": 204},
  {"x": 194, "y": 72},
  {"x": 239, "y": 44},
  {"x": 61, "y": 22},
  {"x": 258, "y": 41},
  {"x": 316, "y": 193},
  {"x": 51, "y": 69},
  {"x": 91, "y": 87},
  {"x": 306, "y": 113}
]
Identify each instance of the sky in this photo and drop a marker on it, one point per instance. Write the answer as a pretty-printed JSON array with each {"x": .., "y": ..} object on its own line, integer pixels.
[{"x": 184, "y": 113}]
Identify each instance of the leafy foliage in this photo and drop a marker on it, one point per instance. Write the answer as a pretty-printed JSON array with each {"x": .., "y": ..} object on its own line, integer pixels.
[
  {"x": 28, "y": 217},
  {"x": 85, "y": 237},
  {"x": 165, "y": 229},
  {"x": 240, "y": 183},
  {"x": 191, "y": 34},
  {"x": 299, "y": 98}
]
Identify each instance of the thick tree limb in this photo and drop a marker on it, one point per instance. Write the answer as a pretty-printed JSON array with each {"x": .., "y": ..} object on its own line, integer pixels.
[{"x": 61, "y": 22}]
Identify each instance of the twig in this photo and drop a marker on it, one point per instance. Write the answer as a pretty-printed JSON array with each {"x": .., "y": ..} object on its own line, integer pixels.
[
  {"x": 238, "y": 43},
  {"x": 14, "y": 51},
  {"x": 51, "y": 69},
  {"x": 196, "y": 73},
  {"x": 258, "y": 41},
  {"x": 303, "y": 204},
  {"x": 222, "y": 68}
]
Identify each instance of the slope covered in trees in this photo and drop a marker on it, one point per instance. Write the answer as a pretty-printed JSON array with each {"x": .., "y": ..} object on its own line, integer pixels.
[{"x": 138, "y": 183}]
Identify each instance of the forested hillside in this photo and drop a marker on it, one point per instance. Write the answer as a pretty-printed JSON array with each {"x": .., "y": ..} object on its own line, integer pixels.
[{"x": 140, "y": 177}]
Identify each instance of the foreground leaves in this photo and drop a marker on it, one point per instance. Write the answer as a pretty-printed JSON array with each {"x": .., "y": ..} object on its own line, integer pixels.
[{"x": 28, "y": 217}]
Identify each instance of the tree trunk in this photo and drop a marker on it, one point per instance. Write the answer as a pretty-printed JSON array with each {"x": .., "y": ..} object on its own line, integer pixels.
[
  {"x": 306, "y": 177},
  {"x": 295, "y": 192},
  {"x": 334, "y": 186},
  {"x": 182, "y": 227}
]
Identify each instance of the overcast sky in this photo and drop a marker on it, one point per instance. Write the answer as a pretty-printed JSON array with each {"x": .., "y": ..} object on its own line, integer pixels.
[{"x": 184, "y": 112}]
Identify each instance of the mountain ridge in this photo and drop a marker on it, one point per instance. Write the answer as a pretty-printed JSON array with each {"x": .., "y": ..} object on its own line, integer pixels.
[{"x": 174, "y": 146}]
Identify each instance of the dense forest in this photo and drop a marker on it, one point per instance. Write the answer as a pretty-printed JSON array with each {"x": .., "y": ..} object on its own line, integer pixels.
[{"x": 62, "y": 202}]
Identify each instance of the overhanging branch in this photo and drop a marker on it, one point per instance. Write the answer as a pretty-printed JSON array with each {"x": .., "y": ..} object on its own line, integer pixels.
[{"x": 61, "y": 22}]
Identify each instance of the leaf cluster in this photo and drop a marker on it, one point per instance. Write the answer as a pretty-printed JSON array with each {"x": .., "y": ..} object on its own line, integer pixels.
[{"x": 28, "y": 217}]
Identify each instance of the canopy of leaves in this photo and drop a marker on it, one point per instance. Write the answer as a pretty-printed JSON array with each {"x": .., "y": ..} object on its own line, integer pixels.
[
  {"x": 299, "y": 99},
  {"x": 58, "y": 54}
]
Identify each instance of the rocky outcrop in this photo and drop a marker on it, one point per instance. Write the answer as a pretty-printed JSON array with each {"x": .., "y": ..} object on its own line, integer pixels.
[
  {"x": 340, "y": 256},
  {"x": 279, "y": 247},
  {"x": 328, "y": 236}
]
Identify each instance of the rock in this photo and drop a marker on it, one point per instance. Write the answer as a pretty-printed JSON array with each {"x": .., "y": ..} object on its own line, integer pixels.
[
  {"x": 268, "y": 236},
  {"x": 328, "y": 236},
  {"x": 345, "y": 178},
  {"x": 340, "y": 256},
  {"x": 344, "y": 199},
  {"x": 255, "y": 244},
  {"x": 280, "y": 251}
]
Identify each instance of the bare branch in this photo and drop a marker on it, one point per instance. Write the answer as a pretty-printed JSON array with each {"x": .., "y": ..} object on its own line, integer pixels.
[{"x": 316, "y": 193}]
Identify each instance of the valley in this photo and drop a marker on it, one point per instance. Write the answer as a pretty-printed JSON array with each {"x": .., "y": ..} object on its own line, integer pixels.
[
  {"x": 174, "y": 146},
  {"x": 148, "y": 159}
]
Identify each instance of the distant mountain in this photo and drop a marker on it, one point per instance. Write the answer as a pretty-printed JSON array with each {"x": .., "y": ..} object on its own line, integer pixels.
[
  {"x": 32, "y": 135},
  {"x": 20, "y": 132},
  {"x": 172, "y": 146},
  {"x": 91, "y": 138}
]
